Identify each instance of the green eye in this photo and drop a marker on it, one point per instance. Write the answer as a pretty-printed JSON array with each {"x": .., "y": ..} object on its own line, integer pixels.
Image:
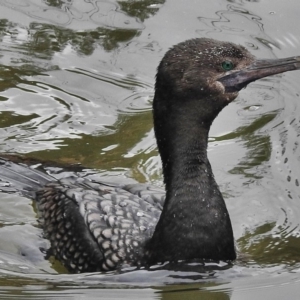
[{"x": 227, "y": 65}]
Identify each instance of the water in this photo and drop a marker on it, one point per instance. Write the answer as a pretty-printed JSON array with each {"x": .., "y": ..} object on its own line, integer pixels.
[{"x": 76, "y": 87}]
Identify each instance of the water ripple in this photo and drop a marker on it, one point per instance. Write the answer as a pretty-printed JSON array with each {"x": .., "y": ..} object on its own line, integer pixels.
[
  {"x": 63, "y": 109},
  {"x": 100, "y": 13}
]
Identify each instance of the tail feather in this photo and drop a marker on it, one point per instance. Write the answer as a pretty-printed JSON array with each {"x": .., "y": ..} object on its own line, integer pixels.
[{"x": 21, "y": 178}]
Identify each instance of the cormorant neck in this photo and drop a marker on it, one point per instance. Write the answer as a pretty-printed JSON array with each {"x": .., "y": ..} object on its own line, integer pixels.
[
  {"x": 186, "y": 158},
  {"x": 194, "y": 222}
]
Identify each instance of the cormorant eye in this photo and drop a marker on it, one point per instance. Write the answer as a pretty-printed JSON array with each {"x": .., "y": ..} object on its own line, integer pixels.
[{"x": 227, "y": 65}]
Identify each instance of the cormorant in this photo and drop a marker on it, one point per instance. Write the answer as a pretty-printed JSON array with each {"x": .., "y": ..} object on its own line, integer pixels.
[{"x": 96, "y": 227}]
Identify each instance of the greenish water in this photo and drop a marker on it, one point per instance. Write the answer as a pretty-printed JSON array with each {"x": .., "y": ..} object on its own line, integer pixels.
[{"x": 76, "y": 86}]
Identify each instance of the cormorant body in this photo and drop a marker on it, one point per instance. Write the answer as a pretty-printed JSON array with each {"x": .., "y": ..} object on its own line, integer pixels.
[{"x": 93, "y": 226}]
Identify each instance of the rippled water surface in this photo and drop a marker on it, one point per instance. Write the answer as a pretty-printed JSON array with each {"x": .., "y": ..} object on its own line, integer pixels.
[{"x": 76, "y": 86}]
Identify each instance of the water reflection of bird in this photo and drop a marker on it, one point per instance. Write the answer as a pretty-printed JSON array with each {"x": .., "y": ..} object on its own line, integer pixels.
[{"x": 97, "y": 227}]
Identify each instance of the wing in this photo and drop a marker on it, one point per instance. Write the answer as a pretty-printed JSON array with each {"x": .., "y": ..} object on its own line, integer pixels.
[{"x": 96, "y": 227}]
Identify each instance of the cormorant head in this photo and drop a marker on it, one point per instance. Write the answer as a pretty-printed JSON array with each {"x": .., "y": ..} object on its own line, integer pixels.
[{"x": 208, "y": 74}]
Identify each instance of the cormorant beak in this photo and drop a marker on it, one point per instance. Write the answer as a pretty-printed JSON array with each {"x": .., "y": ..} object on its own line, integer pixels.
[{"x": 236, "y": 80}]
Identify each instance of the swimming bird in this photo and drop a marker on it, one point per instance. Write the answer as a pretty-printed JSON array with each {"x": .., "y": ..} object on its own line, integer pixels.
[{"x": 93, "y": 226}]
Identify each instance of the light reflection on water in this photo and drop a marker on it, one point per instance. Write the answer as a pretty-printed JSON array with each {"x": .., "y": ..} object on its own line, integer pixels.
[
  {"x": 67, "y": 104},
  {"x": 76, "y": 87}
]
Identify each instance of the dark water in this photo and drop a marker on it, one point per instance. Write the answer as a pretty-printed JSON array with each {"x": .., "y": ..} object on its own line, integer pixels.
[{"x": 76, "y": 85}]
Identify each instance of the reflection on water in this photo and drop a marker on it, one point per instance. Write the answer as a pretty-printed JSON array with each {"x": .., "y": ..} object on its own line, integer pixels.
[
  {"x": 269, "y": 241},
  {"x": 65, "y": 13},
  {"x": 76, "y": 87},
  {"x": 229, "y": 21}
]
